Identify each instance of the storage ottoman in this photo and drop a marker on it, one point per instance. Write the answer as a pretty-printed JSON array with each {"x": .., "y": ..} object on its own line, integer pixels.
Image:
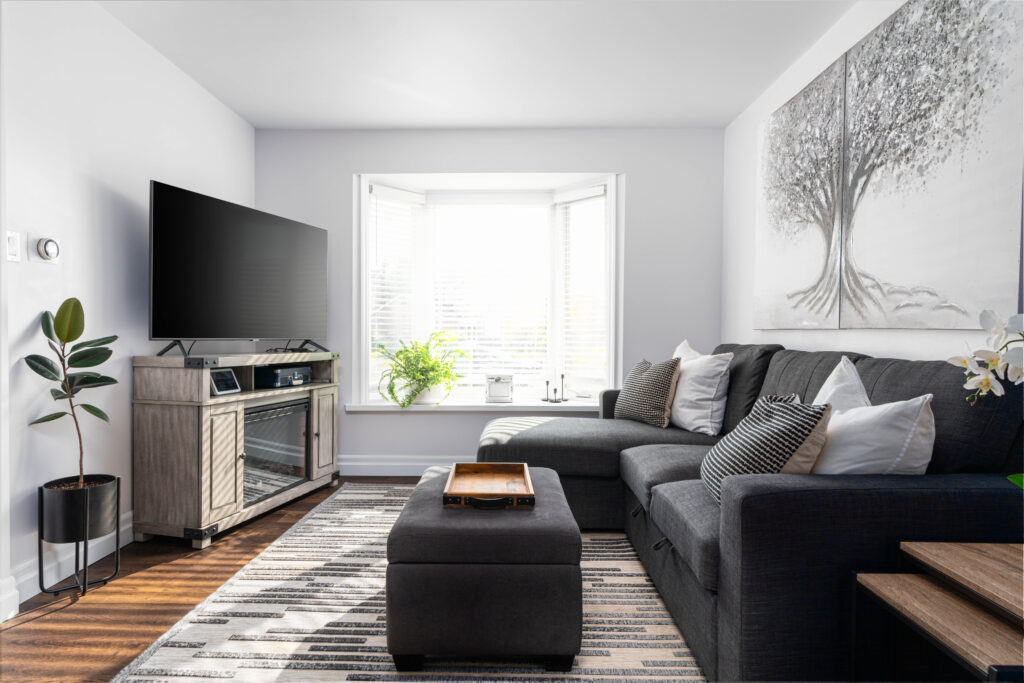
[{"x": 484, "y": 583}]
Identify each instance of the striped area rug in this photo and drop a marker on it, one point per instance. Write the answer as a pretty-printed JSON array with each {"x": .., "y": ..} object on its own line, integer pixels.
[{"x": 311, "y": 608}]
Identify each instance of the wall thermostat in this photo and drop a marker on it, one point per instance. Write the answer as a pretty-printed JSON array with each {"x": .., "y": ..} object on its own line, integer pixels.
[
  {"x": 224, "y": 382},
  {"x": 499, "y": 389},
  {"x": 43, "y": 249},
  {"x": 48, "y": 249}
]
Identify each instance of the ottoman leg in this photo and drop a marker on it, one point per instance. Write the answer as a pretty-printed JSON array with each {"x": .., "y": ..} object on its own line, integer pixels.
[
  {"x": 559, "y": 663},
  {"x": 408, "y": 662}
]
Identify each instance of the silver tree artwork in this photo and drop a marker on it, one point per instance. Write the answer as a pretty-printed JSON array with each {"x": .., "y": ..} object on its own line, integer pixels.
[{"x": 901, "y": 159}]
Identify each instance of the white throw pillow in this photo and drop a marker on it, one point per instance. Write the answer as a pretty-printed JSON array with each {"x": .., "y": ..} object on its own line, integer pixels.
[
  {"x": 843, "y": 388},
  {"x": 699, "y": 402},
  {"x": 686, "y": 352},
  {"x": 892, "y": 438}
]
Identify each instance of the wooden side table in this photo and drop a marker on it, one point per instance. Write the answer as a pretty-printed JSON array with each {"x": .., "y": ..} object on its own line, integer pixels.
[{"x": 969, "y": 602}]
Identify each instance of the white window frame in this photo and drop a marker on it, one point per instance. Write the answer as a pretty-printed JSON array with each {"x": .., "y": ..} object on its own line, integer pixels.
[{"x": 614, "y": 232}]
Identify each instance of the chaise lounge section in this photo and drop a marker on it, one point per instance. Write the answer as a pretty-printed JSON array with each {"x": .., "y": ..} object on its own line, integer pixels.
[
  {"x": 586, "y": 452},
  {"x": 761, "y": 586}
]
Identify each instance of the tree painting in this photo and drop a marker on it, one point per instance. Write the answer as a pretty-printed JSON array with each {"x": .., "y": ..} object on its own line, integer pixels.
[
  {"x": 802, "y": 176},
  {"x": 928, "y": 100}
]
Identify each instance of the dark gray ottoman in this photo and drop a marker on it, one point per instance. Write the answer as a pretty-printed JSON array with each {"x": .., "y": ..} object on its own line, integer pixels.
[{"x": 484, "y": 583}]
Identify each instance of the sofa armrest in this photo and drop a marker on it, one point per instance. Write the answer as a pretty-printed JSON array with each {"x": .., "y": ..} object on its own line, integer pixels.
[
  {"x": 790, "y": 545},
  {"x": 606, "y": 403}
]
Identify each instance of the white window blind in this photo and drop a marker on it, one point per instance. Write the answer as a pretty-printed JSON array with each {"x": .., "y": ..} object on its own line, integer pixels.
[
  {"x": 521, "y": 283},
  {"x": 585, "y": 309},
  {"x": 390, "y": 232}
]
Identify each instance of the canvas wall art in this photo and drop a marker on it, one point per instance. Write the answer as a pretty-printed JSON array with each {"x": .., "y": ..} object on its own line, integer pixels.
[
  {"x": 927, "y": 226},
  {"x": 798, "y": 244}
]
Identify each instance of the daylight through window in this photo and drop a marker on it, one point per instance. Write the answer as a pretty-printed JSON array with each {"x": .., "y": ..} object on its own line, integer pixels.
[{"x": 523, "y": 281}]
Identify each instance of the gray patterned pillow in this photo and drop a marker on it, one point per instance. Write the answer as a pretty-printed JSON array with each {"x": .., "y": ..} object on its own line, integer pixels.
[
  {"x": 779, "y": 435},
  {"x": 647, "y": 393}
]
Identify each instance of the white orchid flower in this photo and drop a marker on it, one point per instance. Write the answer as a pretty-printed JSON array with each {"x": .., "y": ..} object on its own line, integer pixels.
[
  {"x": 985, "y": 382},
  {"x": 994, "y": 326},
  {"x": 1015, "y": 325},
  {"x": 1014, "y": 359},
  {"x": 992, "y": 359},
  {"x": 960, "y": 362}
]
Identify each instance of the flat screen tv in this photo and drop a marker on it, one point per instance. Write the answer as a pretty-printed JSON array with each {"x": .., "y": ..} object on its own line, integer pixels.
[{"x": 223, "y": 271}]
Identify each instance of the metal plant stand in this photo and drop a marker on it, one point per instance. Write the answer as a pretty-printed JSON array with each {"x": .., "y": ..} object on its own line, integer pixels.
[{"x": 82, "y": 582}]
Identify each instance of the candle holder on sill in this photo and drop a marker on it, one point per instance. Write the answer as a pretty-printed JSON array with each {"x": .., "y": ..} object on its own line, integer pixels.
[{"x": 547, "y": 386}]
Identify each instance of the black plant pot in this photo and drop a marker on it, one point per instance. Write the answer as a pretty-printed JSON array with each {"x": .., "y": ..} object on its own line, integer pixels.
[{"x": 77, "y": 515}]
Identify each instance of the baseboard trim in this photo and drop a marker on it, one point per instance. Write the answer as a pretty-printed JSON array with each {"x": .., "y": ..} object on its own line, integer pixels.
[
  {"x": 353, "y": 465},
  {"x": 8, "y": 598},
  {"x": 59, "y": 560}
]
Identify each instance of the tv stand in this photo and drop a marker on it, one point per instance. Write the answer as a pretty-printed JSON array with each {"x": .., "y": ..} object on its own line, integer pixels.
[
  {"x": 195, "y": 472},
  {"x": 310, "y": 342},
  {"x": 176, "y": 342}
]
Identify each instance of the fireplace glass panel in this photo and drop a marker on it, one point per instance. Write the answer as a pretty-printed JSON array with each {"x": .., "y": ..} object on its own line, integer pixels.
[{"x": 275, "y": 449}]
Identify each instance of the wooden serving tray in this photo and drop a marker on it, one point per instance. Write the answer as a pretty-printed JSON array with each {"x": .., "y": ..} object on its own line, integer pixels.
[{"x": 489, "y": 486}]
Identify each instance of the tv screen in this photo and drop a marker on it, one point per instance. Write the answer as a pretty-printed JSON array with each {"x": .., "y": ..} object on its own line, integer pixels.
[{"x": 223, "y": 271}]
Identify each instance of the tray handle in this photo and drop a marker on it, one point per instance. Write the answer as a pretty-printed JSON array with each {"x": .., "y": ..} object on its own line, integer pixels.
[{"x": 489, "y": 503}]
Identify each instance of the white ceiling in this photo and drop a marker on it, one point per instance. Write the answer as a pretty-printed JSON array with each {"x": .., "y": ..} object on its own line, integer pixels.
[{"x": 482, "y": 63}]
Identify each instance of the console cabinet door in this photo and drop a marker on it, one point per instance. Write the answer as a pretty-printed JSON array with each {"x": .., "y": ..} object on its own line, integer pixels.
[
  {"x": 223, "y": 462},
  {"x": 323, "y": 444}
]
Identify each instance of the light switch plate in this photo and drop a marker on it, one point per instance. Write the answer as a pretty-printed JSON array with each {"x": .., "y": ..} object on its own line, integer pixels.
[{"x": 13, "y": 246}]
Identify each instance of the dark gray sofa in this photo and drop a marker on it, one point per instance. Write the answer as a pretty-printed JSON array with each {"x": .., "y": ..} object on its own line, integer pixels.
[
  {"x": 761, "y": 587},
  {"x": 586, "y": 452}
]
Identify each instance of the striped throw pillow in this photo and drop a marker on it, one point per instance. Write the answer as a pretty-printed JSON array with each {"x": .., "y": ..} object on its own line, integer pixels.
[
  {"x": 647, "y": 393},
  {"x": 779, "y": 435}
]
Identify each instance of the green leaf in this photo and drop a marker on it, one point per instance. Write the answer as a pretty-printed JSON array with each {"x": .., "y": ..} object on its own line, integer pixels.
[
  {"x": 43, "y": 366},
  {"x": 48, "y": 418},
  {"x": 86, "y": 358},
  {"x": 92, "y": 382},
  {"x": 1017, "y": 479},
  {"x": 93, "y": 410},
  {"x": 59, "y": 395},
  {"x": 47, "y": 324},
  {"x": 69, "y": 322},
  {"x": 102, "y": 341}
]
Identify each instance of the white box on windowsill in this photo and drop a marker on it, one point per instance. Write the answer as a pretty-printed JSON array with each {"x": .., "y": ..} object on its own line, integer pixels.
[{"x": 499, "y": 388}]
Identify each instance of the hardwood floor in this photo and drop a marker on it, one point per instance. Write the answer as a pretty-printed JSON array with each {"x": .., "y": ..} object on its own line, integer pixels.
[{"x": 91, "y": 638}]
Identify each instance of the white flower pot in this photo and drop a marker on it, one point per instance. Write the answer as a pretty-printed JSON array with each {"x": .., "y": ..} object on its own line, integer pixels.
[{"x": 431, "y": 396}]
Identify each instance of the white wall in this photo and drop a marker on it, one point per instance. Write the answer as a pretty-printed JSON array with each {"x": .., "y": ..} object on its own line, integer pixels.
[
  {"x": 672, "y": 245},
  {"x": 91, "y": 113},
  {"x": 741, "y": 137}
]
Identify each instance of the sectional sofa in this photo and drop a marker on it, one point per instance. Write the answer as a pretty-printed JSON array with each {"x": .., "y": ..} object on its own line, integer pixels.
[{"x": 761, "y": 586}]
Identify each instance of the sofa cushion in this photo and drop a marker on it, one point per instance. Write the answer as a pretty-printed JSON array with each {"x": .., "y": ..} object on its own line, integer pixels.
[
  {"x": 647, "y": 393},
  {"x": 573, "y": 446},
  {"x": 746, "y": 375},
  {"x": 968, "y": 438},
  {"x": 802, "y": 372},
  {"x": 689, "y": 517},
  {"x": 644, "y": 467},
  {"x": 781, "y": 435},
  {"x": 427, "y": 532}
]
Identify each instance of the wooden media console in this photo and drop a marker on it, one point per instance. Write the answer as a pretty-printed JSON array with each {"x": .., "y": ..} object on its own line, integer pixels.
[{"x": 191, "y": 478}]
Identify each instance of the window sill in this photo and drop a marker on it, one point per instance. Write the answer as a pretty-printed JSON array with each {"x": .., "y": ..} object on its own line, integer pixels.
[{"x": 573, "y": 406}]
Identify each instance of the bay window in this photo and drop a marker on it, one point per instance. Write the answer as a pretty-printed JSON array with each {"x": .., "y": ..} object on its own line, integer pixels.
[{"x": 522, "y": 279}]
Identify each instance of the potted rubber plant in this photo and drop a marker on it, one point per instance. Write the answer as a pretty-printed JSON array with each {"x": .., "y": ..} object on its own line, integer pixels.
[
  {"x": 419, "y": 370},
  {"x": 86, "y": 506}
]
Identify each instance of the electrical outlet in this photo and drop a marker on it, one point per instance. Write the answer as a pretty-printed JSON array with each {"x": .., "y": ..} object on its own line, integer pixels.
[{"x": 13, "y": 246}]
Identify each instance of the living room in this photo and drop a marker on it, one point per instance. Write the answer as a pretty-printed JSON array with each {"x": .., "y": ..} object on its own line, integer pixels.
[{"x": 559, "y": 192}]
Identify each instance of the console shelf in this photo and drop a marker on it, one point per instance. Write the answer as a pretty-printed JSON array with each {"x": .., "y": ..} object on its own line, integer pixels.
[{"x": 189, "y": 445}]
